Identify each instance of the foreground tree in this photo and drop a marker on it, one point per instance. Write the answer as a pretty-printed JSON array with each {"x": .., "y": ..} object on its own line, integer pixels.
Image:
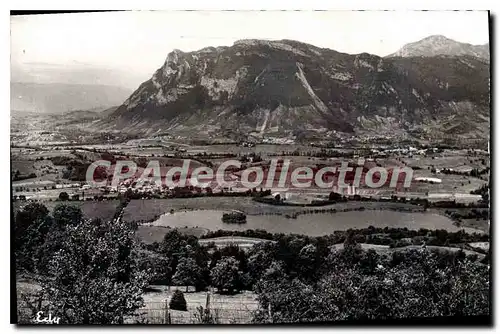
[
  {"x": 225, "y": 276},
  {"x": 65, "y": 214},
  {"x": 260, "y": 257},
  {"x": 307, "y": 261},
  {"x": 188, "y": 273},
  {"x": 407, "y": 284},
  {"x": 283, "y": 299},
  {"x": 175, "y": 246},
  {"x": 95, "y": 277},
  {"x": 28, "y": 215},
  {"x": 32, "y": 224},
  {"x": 157, "y": 267}
]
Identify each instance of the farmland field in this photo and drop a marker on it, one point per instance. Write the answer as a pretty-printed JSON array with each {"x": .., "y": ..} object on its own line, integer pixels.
[
  {"x": 450, "y": 184},
  {"x": 476, "y": 223},
  {"x": 459, "y": 161},
  {"x": 261, "y": 148},
  {"x": 479, "y": 224},
  {"x": 237, "y": 308}
]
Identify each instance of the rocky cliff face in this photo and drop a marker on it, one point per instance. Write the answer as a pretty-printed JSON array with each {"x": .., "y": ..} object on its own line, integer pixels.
[
  {"x": 437, "y": 45},
  {"x": 291, "y": 88}
]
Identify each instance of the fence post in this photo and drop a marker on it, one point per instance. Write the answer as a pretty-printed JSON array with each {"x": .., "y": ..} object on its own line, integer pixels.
[
  {"x": 207, "y": 305},
  {"x": 166, "y": 315}
]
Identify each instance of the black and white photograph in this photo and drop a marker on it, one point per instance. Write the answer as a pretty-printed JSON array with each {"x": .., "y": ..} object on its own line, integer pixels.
[{"x": 213, "y": 167}]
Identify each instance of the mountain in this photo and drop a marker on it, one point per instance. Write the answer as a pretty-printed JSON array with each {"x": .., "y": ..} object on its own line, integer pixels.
[
  {"x": 440, "y": 45},
  {"x": 60, "y": 98},
  {"x": 288, "y": 88}
]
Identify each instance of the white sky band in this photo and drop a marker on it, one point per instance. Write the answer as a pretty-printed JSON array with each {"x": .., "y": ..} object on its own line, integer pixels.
[{"x": 135, "y": 41}]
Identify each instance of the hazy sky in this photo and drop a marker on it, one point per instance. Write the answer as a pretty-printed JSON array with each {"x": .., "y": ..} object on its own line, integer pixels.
[{"x": 140, "y": 41}]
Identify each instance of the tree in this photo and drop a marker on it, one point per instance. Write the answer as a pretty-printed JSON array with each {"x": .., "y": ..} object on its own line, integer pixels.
[
  {"x": 176, "y": 245},
  {"x": 29, "y": 214},
  {"x": 172, "y": 242},
  {"x": 95, "y": 277},
  {"x": 67, "y": 215},
  {"x": 157, "y": 267},
  {"x": 414, "y": 283},
  {"x": 307, "y": 261},
  {"x": 225, "y": 275},
  {"x": 287, "y": 300},
  {"x": 188, "y": 273},
  {"x": 352, "y": 251},
  {"x": 63, "y": 196},
  {"x": 260, "y": 257},
  {"x": 178, "y": 302},
  {"x": 32, "y": 224},
  {"x": 28, "y": 249}
]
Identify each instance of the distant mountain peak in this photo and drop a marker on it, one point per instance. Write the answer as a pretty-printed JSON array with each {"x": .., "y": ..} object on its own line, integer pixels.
[
  {"x": 438, "y": 37},
  {"x": 437, "y": 45}
]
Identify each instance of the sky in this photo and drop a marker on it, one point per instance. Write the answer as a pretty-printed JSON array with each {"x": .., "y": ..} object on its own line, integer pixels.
[{"x": 139, "y": 41}]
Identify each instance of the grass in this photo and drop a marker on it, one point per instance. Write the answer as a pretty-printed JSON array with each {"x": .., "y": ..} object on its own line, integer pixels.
[
  {"x": 483, "y": 245},
  {"x": 226, "y": 309},
  {"x": 241, "y": 242},
  {"x": 149, "y": 234},
  {"x": 450, "y": 183},
  {"x": 478, "y": 224}
]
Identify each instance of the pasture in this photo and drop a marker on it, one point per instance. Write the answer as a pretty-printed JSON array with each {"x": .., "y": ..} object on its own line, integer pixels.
[{"x": 226, "y": 309}]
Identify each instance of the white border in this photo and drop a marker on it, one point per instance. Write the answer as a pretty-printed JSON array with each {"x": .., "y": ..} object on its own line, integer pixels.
[{"x": 195, "y": 5}]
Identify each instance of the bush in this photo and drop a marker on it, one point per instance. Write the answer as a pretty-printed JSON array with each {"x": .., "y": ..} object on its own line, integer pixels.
[
  {"x": 178, "y": 302},
  {"x": 63, "y": 196}
]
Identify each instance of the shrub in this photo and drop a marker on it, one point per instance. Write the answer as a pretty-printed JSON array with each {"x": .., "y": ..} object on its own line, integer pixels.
[
  {"x": 63, "y": 196},
  {"x": 178, "y": 302}
]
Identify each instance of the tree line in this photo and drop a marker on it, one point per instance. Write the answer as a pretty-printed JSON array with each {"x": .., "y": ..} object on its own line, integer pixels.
[{"x": 96, "y": 272}]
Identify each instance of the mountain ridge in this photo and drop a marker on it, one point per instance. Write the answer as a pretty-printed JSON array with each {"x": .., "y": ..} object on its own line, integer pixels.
[{"x": 287, "y": 87}]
